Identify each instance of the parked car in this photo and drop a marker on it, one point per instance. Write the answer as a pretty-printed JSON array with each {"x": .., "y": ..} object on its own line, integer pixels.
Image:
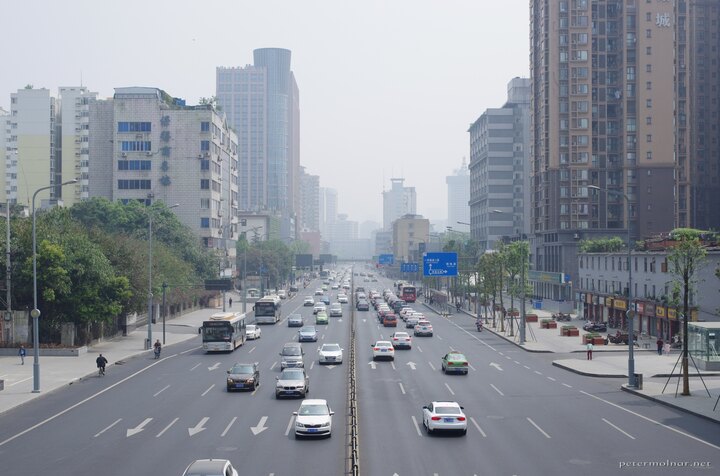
[
  {"x": 325, "y": 299},
  {"x": 243, "y": 376},
  {"x": 390, "y": 320},
  {"x": 363, "y": 305},
  {"x": 423, "y": 328},
  {"x": 321, "y": 317},
  {"x": 335, "y": 310},
  {"x": 318, "y": 307},
  {"x": 342, "y": 298},
  {"x": 401, "y": 340},
  {"x": 292, "y": 356},
  {"x": 309, "y": 301}
]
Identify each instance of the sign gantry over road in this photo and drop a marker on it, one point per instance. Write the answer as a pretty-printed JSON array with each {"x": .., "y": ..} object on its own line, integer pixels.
[{"x": 440, "y": 264}]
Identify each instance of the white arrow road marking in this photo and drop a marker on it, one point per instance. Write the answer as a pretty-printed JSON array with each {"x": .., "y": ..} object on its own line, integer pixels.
[
  {"x": 132, "y": 431},
  {"x": 161, "y": 390},
  {"x": 194, "y": 367},
  {"x": 431, "y": 365},
  {"x": 199, "y": 427},
  {"x": 166, "y": 428},
  {"x": 330, "y": 366},
  {"x": 412, "y": 365},
  {"x": 108, "y": 427},
  {"x": 449, "y": 389},
  {"x": 497, "y": 390},
  {"x": 372, "y": 364},
  {"x": 402, "y": 389},
  {"x": 260, "y": 426},
  {"x": 497, "y": 366},
  {"x": 538, "y": 428},
  {"x": 206, "y": 391},
  {"x": 478, "y": 427},
  {"x": 227, "y": 428},
  {"x": 287, "y": 430},
  {"x": 618, "y": 429},
  {"x": 417, "y": 428},
  {"x": 214, "y": 367}
]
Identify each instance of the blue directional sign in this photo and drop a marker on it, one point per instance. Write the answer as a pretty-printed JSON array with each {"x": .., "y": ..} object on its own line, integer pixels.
[
  {"x": 386, "y": 259},
  {"x": 409, "y": 267},
  {"x": 440, "y": 264}
]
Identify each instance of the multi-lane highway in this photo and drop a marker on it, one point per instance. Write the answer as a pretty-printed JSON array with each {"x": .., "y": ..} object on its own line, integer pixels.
[{"x": 526, "y": 417}]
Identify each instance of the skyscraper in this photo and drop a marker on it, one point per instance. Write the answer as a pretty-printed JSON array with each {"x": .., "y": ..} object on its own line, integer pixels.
[
  {"x": 458, "y": 195},
  {"x": 309, "y": 211},
  {"x": 328, "y": 209},
  {"x": 398, "y": 201}
]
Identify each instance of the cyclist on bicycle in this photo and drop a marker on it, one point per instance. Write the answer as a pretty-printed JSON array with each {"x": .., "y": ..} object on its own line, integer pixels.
[
  {"x": 158, "y": 347},
  {"x": 101, "y": 363}
]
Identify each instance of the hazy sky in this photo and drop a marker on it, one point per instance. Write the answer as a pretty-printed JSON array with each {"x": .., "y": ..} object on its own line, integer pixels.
[{"x": 388, "y": 88}]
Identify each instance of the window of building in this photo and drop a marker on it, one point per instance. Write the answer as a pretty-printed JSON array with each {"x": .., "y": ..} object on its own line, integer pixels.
[
  {"x": 648, "y": 85},
  {"x": 648, "y": 103},
  {"x": 648, "y": 68},
  {"x": 648, "y": 33},
  {"x": 204, "y": 126},
  {"x": 648, "y": 120},
  {"x": 205, "y": 203},
  {"x": 630, "y": 73},
  {"x": 648, "y": 138},
  {"x": 205, "y": 164},
  {"x": 135, "y": 146},
  {"x": 204, "y": 222},
  {"x": 648, "y": 50},
  {"x": 134, "y": 185},
  {"x": 205, "y": 146},
  {"x": 134, "y": 165},
  {"x": 648, "y": 155},
  {"x": 134, "y": 127},
  {"x": 204, "y": 184}
]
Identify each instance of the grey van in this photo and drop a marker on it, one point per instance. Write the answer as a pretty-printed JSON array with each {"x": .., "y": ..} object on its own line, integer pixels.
[{"x": 291, "y": 356}]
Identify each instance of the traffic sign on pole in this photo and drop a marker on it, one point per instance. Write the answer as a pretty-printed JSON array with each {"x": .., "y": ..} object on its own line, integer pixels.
[
  {"x": 386, "y": 259},
  {"x": 409, "y": 267},
  {"x": 440, "y": 264}
]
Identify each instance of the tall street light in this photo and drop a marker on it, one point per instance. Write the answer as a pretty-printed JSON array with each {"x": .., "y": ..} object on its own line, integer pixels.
[
  {"x": 148, "y": 343},
  {"x": 35, "y": 313},
  {"x": 630, "y": 308}
]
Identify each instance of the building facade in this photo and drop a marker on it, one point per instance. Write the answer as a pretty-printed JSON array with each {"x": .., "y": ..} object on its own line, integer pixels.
[
  {"x": 499, "y": 185},
  {"x": 408, "y": 232},
  {"x": 458, "y": 195},
  {"x": 328, "y": 202},
  {"x": 309, "y": 211},
  {"x": 397, "y": 202},
  {"x": 73, "y": 146}
]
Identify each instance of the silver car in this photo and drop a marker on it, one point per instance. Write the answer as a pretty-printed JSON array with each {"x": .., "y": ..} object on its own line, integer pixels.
[
  {"x": 292, "y": 383},
  {"x": 330, "y": 354},
  {"x": 307, "y": 334},
  {"x": 295, "y": 320},
  {"x": 335, "y": 309},
  {"x": 203, "y": 467}
]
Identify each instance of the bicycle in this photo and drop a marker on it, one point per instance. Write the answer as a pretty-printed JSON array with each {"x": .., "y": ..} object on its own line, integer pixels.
[{"x": 101, "y": 371}]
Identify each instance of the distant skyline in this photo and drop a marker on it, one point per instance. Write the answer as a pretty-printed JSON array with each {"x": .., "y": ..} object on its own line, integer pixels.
[{"x": 387, "y": 88}]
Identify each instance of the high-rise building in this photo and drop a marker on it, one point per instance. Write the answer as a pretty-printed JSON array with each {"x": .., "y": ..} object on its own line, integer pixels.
[
  {"x": 262, "y": 105},
  {"x": 397, "y": 202},
  {"x": 73, "y": 146},
  {"x": 328, "y": 210},
  {"x": 458, "y": 195},
  {"x": 162, "y": 149},
  {"x": 499, "y": 147},
  {"x": 5, "y": 128},
  {"x": 309, "y": 211},
  {"x": 609, "y": 109}
]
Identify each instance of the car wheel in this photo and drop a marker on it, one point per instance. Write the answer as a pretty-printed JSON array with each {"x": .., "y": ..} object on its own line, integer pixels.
[
  {"x": 428, "y": 430},
  {"x": 229, "y": 389},
  {"x": 297, "y": 437},
  {"x": 464, "y": 432}
]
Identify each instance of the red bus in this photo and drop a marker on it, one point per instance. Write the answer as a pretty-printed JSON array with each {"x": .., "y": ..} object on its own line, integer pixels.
[{"x": 408, "y": 293}]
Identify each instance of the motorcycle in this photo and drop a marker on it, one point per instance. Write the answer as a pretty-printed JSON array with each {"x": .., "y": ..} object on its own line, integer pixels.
[{"x": 479, "y": 325}]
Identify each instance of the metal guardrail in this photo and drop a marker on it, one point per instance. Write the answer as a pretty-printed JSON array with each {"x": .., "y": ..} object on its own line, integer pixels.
[{"x": 353, "y": 451}]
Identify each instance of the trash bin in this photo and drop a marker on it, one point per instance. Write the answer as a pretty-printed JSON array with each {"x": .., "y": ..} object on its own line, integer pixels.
[{"x": 639, "y": 381}]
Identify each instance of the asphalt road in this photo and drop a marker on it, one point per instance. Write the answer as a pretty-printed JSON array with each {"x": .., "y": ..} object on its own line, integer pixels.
[{"x": 526, "y": 416}]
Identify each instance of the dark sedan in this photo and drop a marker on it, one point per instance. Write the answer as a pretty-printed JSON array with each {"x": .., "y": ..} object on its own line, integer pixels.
[{"x": 243, "y": 377}]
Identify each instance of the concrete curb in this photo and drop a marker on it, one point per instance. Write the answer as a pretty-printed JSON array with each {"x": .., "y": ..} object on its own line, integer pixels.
[
  {"x": 636, "y": 392},
  {"x": 587, "y": 374}
]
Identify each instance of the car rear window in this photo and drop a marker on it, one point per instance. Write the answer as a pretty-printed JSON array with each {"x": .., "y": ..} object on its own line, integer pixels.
[{"x": 448, "y": 410}]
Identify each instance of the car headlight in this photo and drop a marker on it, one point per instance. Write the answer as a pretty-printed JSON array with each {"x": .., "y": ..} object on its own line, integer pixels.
[
  {"x": 299, "y": 425},
  {"x": 278, "y": 385},
  {"x": 229, "y": 380}
]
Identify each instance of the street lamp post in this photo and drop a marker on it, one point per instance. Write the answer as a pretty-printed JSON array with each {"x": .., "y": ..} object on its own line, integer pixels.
[
  {"x": 148, "y": 343},
  {"x": 630, "y": 308},
  {"x": 35, "y": 313}
]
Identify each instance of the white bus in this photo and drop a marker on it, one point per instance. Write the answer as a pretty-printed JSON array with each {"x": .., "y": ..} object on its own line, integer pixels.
[
  {"x": 224, "y": 332},
  {"x": 267, "y": 310}
]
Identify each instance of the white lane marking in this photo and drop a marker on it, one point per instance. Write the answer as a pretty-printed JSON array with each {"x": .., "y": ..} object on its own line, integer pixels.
[
  {"x": 449, "y": 389},
  {"x": 194, "y": 367},
  {"x": 526, "y": 367},
  {"x": 500, "y": 353},
  {"x": 470, "y": 365},
  {"x": 215, "y": 366},
  {"x": 206, "y": 391},
  {"x": 618, "y": 429},
  {"x": 392, "y": 363},
  {"x": 417, "y": 428},
  {"x": 161, "y": 390},
  {"x": 478, "y": 427},
  {"x": 381, "y": 337},
  {"x": 538, "y": 428},
  {"x": 312, "y": 364},
  {"x": 72, "y": 407},
  {"x": 431, "y": 365},
  {"x": 516, "y": 362},
  {"x": 322, "y": 337},
  {"x": 402, "y": 389},
  {"x": 167, "y": 428},
  {"x": 538, "y": 372},
  {"x": 273, "y": 365},
  {"x": 438, "y": 337},
  {"x": 475, "y": 337},
  {"x": 650, "y": 420},
  {"x": 287, "y": 430},
  {"x": 508, "y": 357},
  {"x": 227, "y": 428},
  {"x": 251, "y": 350},
  {"x": 20, "y": 381},
  {"x": 190, "y": 350},
  {"x": 551, "y": 378},
  {"x": 419, "y": 348},
  {"x": 107, "y": 427},
  {"x": 568, "y": 386},
  {"x": 497, "y": 390}
]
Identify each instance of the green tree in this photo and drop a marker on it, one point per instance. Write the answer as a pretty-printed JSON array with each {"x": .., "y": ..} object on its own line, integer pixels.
[{"x": 602, "y": 245}]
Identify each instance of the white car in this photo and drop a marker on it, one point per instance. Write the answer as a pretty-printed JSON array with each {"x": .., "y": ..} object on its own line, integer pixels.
[
  {"x": 444, "y": 416},
  {"x": 401, "y": 340},
  {"x": 330, "y": 354},
  {"x": 252, "y": 332},
  {"x": 282, "y": 294},
  {"x": 335, "y": 310},
  {"x": 423, "y": 328},
  {"x": 313, "y": 418},
  {"x": 342, "y": 298},
  {"x": 318, "y": 307},
  {"x": 309, "y": 301},
  {"x": 319, "y": 292},
  {"x": 383, "y": 349}
]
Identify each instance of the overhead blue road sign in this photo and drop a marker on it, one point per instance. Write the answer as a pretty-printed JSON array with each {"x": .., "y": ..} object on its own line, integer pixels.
[
  {"x": 409, "y": 267},
  {"x": 386, "y": 259},
  {"x": 440, "y": 264}
]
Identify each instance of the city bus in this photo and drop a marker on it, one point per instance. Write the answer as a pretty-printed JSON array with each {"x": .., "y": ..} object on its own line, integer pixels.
[
  {"x": 408, "y": 293},
  {"x": 224, "y": 332},
  {"x": 267, "y": 310}
]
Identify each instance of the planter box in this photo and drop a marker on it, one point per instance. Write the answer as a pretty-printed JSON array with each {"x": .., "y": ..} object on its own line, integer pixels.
[
  {"x": 531, "y": 318},
  {"x": 573, "y": 332},
  {"x": 598, "y": 341},
  {"x": 552, "y": 325},
  {"x": 544, "y": 325},
  {"x": 587, "y": 338}
]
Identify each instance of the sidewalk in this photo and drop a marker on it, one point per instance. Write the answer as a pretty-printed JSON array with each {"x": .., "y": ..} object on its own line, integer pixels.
[
  {"x": 56, "y": 372},
  {"x": 611, "y": 361}
]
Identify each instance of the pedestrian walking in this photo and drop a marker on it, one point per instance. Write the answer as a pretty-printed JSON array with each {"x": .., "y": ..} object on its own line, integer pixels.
[
  {"x": 230, "y": 302},
  {"x": 589, "y": 348},
  {"x": 22, "y": 353},
  {"x": 660, "y": 345}
]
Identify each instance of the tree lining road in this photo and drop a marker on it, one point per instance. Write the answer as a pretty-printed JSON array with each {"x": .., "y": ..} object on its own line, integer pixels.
[{"x": 511, "y": 410}]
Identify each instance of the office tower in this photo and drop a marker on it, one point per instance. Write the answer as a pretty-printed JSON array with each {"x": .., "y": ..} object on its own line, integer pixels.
[
  {"x": 499, "y": 149},
  {"x": 609, "y": 109},
  {"x": 162, "y": 149},
  {"x": 458, "y": 196},
  {"x": 398, "y": 201},
  {"x": 309, "y": 211},
  {"x": 328, "y": 210},
  {"x": 73, "y": 145},
  {"x": 262, "y": 104}
]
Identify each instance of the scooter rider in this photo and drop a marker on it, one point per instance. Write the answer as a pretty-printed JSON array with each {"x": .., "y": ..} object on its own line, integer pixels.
[
  {"x": 158, "y": 347},
  {"x": 479, "y": 325}
]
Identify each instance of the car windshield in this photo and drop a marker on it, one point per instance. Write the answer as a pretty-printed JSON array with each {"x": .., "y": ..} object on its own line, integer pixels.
[
  {"x": 291, "y": 375},
  {"x": 448, "y": 410},
  {"x": 307, "y": 330},
  {"x": 295, "y": 317},
  {"x": 291, "y": 351},
  {"x": 313, "y": 410},
  {"x": 242, "y": 369},
  {"x": 330, "y": 348},
  {"x": 250, "y": 327}
]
